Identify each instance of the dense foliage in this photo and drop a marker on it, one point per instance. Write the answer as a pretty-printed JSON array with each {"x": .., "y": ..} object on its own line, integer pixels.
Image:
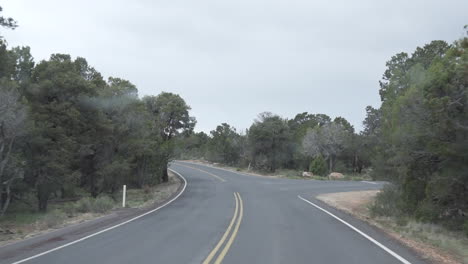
[
  {"x": 421, "y": 132},
  {"x": 273, "y": 142},
  {"x": 64, "y": 130}
]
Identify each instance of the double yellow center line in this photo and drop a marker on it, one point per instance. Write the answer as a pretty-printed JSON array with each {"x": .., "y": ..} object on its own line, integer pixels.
[{"x": 235, "y": 222}]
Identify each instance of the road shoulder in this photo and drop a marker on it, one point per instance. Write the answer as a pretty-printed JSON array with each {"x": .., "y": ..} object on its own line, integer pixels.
[
  {"x": 356, "y": 205},
  {"x": 52, "y": 238}
]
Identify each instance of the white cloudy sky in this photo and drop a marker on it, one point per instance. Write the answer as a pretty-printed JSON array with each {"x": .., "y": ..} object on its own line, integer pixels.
[{"x": 231, "y": 60}]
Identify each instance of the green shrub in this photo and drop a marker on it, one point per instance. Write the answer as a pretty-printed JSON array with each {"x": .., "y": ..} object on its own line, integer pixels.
[
  {"x": 427, "y": 211},
  {"x": 102, "y": 204},
  {"x": 84, "y": 205},
  {"x": 386, "y": 202},
  {"x": 318, "y": 166}
]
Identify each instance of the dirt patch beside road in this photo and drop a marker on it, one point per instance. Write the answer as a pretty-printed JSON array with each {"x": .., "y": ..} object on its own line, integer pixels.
[
  {"x": 354, "y": 203},
  {"x": 357, "y": 203}
]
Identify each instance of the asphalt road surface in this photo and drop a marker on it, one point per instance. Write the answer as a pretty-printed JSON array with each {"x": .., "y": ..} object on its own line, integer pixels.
[{"x": 228, "y": 217}]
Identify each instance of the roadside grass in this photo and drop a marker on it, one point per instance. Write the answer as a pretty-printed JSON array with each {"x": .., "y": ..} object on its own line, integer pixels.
[
  {"x": 387, "y": 213},
  {"x": 454, "y": 243},
  {"x": 23, "y": 220},
  {"x": 138, "y": 198},
  {"x": 429, "y": 240}
]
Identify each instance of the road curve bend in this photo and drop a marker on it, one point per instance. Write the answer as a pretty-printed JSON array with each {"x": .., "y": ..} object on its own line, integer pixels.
[{"x": 228, "y": 217}]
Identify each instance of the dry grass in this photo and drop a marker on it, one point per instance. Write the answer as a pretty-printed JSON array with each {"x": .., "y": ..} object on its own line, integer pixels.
[
  {"x": 430, "y": 241},
  {"x": 140, "y": 198},
  {"x": 25, "y": 222}
]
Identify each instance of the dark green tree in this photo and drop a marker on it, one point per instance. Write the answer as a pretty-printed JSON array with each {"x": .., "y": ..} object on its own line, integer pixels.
[
  {"x": 225, "y": 144},
  {"x": 318, "y": 166},
  {"x": 269, "y": 139},
  {"x": 171, "y": 117},
  {"x": 420, "y": 132},
  {"x": 7, "y": 22}
]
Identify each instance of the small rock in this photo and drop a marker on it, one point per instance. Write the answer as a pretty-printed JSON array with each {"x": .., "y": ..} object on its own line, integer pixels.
[
  {"x": 307, "y": 174},
  {"x": 335, "y": 175}
]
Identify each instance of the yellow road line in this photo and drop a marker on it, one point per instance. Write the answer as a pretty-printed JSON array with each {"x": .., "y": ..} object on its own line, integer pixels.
[
  {"x": 234, "y": 233},
  {"x": 209, "y": 173},
  {"x": 223, "y": 238}
]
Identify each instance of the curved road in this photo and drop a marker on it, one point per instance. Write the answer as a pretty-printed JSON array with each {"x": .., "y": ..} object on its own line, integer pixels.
[{"x": 228, "y": 217}]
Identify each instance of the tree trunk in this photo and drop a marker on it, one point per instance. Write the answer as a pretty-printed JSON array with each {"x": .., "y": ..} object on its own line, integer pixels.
[
  {"x": 143, "y": 173},
  {"x": 5, "y": 156},
  {"x": 164, "y": 176},
  {"x": 331, "y": 163},
  {"x": 42, "y": 197},
  {"x": 93, "y": 188},
  {"x": 6, "y": 193},
  {"x": 6, "y": 201},
  {"x": 42, "y": 203}
]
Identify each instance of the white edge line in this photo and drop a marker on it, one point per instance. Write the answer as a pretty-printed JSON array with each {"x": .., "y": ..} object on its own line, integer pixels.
[
  {"x": 369, "y": 182},
  {"x": 109, "y": 228},
  {"x": 389, "y": 251}
]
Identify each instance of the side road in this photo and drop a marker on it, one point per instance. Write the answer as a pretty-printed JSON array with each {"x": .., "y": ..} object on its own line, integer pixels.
[{"x": 58, "y": 237}]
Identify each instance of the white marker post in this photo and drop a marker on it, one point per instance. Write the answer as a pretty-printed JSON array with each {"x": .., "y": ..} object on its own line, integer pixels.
[{"x": 123, "y": 195}]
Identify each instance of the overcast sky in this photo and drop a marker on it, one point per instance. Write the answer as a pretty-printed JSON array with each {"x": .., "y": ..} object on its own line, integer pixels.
[{"x": 231, "y": 60}]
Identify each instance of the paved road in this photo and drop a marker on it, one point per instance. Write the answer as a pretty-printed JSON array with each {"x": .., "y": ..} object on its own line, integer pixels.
[{"x": 227, "y": 217}]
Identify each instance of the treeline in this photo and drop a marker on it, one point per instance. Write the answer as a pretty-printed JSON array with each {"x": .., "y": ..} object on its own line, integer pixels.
[
  {"x": 65, "y": 131},
  {"x": 308, "y": 142},
  {"x": 419, "y": 136},
  {"x": 417, "y": 139}
]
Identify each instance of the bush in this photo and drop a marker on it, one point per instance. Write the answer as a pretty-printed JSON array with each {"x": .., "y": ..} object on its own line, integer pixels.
[
  {"x": 427, "y": 212},
  {"x": 318, "y": 166},
  {"x": 102, "y": 204},
  {"x": 84, "y": 205},
  {"x": 386, "y": 202}
]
